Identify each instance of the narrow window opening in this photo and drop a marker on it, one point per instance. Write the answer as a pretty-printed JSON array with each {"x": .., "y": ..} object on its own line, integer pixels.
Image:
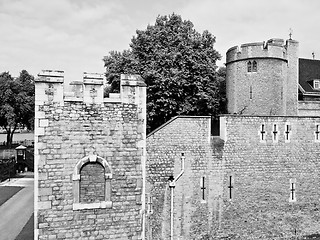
[
  {"x": 254, "y": 66},
  {"x": 249, "y": 66},
  {"x": 287, "y": 133},
  {"x": 250, "y": 92},
  {"x": 149, "y": 203},
  {"x": 275, "y": 133},
  {"x": 317, "y": 133},
  {"x": 203, "y": 188},
  {"x": 262, "y": 132},
  {"x": 230, "y": 186},
  {"x": 292, "y": 190}
]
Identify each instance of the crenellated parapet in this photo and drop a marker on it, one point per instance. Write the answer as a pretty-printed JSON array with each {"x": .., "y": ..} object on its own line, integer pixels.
[
  {"x": 274, "y": 48},
  {"x": 262, "y": 78},
  {"x": 50, "y": 87},
  {"x": 90, "y": 157}
]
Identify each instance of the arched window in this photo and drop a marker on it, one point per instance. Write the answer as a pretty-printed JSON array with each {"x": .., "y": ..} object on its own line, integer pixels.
[
  {"x": 254, "y": 66},
  {"x": 249, "y": 66},
  {"x": 92, "y": 183}
]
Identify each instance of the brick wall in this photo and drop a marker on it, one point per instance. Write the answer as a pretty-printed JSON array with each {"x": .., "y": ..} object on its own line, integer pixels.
[
  {"x": 71, "y": 129},
  {"x": 92, "y": 184}
]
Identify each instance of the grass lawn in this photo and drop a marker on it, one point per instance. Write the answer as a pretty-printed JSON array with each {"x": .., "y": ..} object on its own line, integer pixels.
[
  {"x": 6, "y": 192},
  {"x": 27, "y": 231}
]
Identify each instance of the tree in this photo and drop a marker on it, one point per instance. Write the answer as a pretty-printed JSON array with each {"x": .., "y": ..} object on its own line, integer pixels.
[
  {"x": 178, "y": 65},
  {"x": 16, "y": 102}
]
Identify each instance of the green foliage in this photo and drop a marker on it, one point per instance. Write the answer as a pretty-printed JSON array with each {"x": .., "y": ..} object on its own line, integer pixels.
[
  {"x": 178, "y": 65},
  {"x": 16, "y": 102}
]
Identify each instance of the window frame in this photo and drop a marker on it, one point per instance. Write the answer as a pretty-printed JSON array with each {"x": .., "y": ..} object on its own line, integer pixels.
[{"x": 107, "y": 203}]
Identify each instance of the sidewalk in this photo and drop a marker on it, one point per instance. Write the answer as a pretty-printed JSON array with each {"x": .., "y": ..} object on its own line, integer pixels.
[
  {"x": 11, "y": 181},
  {"x": 15, "y": 213}
]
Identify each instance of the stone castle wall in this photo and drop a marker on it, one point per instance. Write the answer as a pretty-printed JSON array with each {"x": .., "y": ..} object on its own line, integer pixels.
[
  {"x": 271, "y": 90},
  {"x": 195, "y": 214},
  {"x": 309, "y": 108},
  {"x": 90, "y": 159},
  {"x": 262, "y": 171}
]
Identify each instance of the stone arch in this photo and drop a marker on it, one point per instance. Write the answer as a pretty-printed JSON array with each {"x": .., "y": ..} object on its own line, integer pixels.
[{"x": 76, "y": 183}]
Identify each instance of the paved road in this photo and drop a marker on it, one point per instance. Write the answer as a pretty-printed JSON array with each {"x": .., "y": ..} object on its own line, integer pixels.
[{"x": 15, "y": 212}]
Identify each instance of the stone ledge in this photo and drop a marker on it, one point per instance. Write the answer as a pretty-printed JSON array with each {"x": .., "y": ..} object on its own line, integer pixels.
[
  {"x": 112, "y": 100},
  {"x": 96, "y": 205}
]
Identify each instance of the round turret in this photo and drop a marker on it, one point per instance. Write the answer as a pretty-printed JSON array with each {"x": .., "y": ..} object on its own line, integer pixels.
[{"x": 260, "y": 78}]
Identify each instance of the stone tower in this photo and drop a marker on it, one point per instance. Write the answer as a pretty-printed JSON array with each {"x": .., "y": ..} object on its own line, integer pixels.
[
  {"x": 262, "y": 78},
  {"x": 90, "y": 155}
]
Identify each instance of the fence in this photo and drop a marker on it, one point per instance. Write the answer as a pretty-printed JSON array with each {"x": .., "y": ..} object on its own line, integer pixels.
[
  {"x": 25, "y": 142},
  {"x": 7, "y": 168},
  {"x": 7, "y": 153}
]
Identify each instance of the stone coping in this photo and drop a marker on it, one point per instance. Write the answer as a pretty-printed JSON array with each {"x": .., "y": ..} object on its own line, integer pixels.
[
  {"x": 95, "y": 205},
  {"x": 172, "y": 119},
  {"x": 266, "y": 116}
]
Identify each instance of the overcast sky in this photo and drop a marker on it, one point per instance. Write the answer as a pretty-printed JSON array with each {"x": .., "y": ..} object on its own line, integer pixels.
[{"x": 74, "y": 35}]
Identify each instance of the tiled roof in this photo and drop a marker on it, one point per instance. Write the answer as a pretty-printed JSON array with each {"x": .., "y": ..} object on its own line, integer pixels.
[{"x": 309, "y": 70}]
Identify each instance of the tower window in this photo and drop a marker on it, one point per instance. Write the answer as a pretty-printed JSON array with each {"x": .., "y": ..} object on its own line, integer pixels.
[
  {"x": 254, "y": 66},
  {"x": 249, "y": 66},
  {"x": 203, "y": 188},
  {"x": 317, "y": 133},
  {"x": 262, "y": 133},
  {"x": 292, "y": 190},
  {"x": 275, "y": 133},
  {"x": 230, "y": 186},
  {"x": 287, "y": 133}
]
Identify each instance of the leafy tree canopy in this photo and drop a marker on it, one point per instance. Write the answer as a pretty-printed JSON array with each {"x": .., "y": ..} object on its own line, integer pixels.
[
  {"x": 179, "y": 67},
  {"x": 16, "y": 102}
]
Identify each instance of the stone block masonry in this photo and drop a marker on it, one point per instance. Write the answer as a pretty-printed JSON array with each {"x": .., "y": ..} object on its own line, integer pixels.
[
  {"x": 196, "y": 194},
  {"x": 258, "y": 180},
  {"x": 271, "y": 89},
  {"x": 89, "y": 159},
  {"x": 274, "y": 179}
]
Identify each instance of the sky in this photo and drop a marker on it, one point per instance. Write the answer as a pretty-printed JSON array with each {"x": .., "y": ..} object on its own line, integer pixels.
[{"x": 75, "y": 35}]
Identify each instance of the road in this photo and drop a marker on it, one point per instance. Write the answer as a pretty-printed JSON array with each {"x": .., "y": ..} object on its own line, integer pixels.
[{"x": 15, "y": 212}]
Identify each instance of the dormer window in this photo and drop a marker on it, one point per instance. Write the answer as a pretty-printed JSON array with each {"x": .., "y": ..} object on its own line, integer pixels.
[{"x": 316, "y": 84}]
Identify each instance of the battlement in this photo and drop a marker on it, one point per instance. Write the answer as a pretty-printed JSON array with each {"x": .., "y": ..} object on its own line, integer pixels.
[
  {"x": 50, "y": 87},
  {"x": 95, "y": 147},
  {"x": 274, "y": 48}
]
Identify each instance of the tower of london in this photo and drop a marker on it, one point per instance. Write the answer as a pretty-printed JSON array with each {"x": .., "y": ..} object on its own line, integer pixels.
[{"x": 99, "y": 176}]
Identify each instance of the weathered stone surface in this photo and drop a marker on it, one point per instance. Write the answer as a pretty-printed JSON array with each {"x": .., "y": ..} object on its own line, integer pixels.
[
  {"x": 261, "y": 172},
  {"x": 70, "y": 131}
]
